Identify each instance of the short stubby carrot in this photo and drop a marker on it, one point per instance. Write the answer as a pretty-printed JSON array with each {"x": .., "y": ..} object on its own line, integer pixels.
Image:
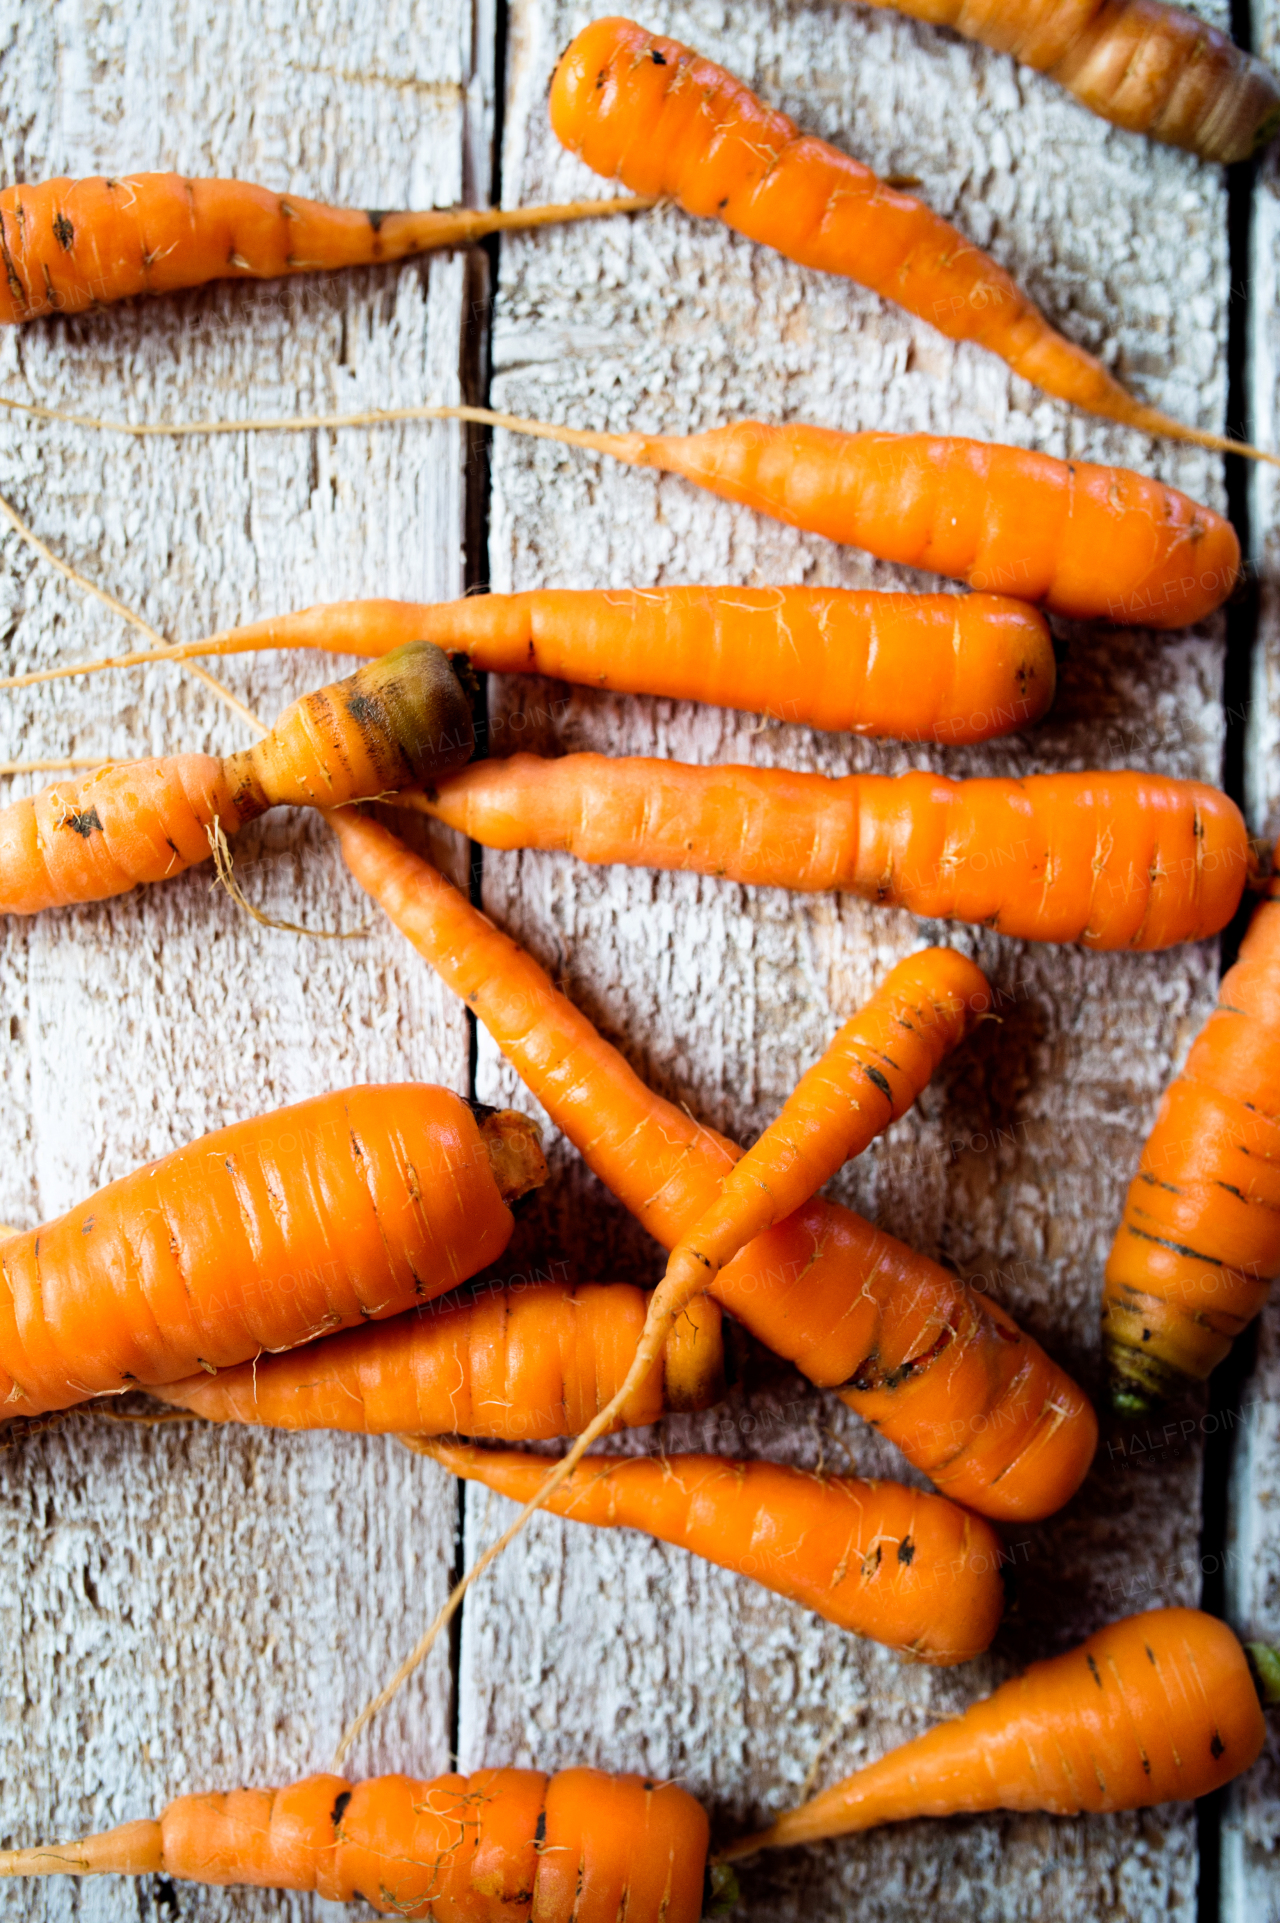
[
  {"x": 938, "y": 1368},
  {"x": 512, "y": 1363},
  {"x": 1199, "y": 1243},
  {"x": 498, "y": 1846},
  {"x": 907, "y": 1569},
  {"x": 68, "y": 245},
  {"x": 261, "y": 1236},
  {"x": 1157, "y": 1708},
  {"x": 1151, "y": 68},
  {"x": 647, "y": 111},
  {"x": 1108, "y": 860},
  {"x": 403, "y": 719}
]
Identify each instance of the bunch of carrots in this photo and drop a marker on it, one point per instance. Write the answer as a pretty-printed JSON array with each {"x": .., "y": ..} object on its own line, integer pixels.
[{"x": 307, "y": 1269}]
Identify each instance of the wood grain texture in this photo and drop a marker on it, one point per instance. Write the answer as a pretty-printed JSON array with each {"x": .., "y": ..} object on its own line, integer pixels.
[
  {"x": 185, "y": 1609},
  {"x": 1015, "y": 1164}
]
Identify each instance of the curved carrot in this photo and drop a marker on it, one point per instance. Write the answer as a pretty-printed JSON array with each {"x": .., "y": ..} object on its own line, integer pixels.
[
  {"x": 929, "y": 667},
  {"x": 516, "y": 1363},
  {"x": 1199, "y": 1243},
  {"x": 1157, "y": 1708},
  {"x": 647, "y": 111},
  {"x": 404, "y": 718},
  {"x": 1108, "y": 860},
  {"x": 939, "y": 1369},
  {"x": 1151, "y": 68},
  {"x": 907, "y": 1569},
  {"x": 348, "y": 1207},
  {"x": 499, "y": 1846},
  {"x": 71, "y": 244}
]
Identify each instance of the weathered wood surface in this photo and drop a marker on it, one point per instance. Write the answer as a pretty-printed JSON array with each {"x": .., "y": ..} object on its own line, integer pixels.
[
  {"x": 1015, "y": 1168},
  {"x": 185, "y": 1610},
  {"x": 182, "y": 1610}
]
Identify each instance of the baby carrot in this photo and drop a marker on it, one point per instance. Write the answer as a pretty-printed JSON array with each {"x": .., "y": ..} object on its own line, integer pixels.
[
  {"x": 647, "y": 111},
  {"x": 936, "y": 1367},
  {"x": 514, "y": 1363},
  {"x": 499, "y": 1846},
  {"x": 1151, "y": 68},
  {"x": 1199, "y": 1244},
  {"x": 904, "y": 1568},
  {"x": 1108, "y": 860},
  {"x": 351, "y": 1206},
  {"x": 405, "y": 718},
  {"x": 68, "y": 245},
  {"x": 927, "y": 667},
  {"x": 1157, "y": 1708}
]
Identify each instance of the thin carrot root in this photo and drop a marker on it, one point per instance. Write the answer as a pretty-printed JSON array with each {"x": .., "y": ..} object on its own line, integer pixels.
[{"x": 870, "y": 1075}]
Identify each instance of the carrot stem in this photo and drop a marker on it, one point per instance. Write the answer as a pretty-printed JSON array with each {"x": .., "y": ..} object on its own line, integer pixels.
[{"x": 1264, "y": 1661}]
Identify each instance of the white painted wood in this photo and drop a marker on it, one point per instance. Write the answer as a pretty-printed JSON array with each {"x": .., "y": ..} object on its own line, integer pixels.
[
  {"x": 186, "y": 1610},
  {"x": 1015, "y": 1168}
]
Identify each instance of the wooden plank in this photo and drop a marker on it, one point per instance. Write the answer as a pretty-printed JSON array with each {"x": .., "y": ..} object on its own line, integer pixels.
[
  {"x": 612, "y": 1649},
  {"x": 185, "y": 1609},
  {"x": 1249, "y": 1891}
]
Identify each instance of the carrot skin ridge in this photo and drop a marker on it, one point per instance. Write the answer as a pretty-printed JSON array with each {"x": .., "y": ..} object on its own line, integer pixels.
[
  {"x": 70, "y": 245},
  {"x": 402, "y": 719},
  {"x": 1199, "y": 1242},
  {"x": 1155, "y": 1708},
  {"x": 498, "y": 1846},
  {"x": 939, "y": 1369},
  {"x": 347, "y": 1207},
  {"x": 1144, "y": 66},
  {"x": 648, "y": 111},
  {"x": 520, "y": 1364},
  {"x": 907, "y": 1569},
  {"x": 1114, "y": 860}
]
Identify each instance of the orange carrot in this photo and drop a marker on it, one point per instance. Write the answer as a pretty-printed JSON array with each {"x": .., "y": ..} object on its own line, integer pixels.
[
  {"x": 909, "y": 1570},
  {"x": 647, "y": 111},
  {"x": 405, "y": 718},
  {"x": 1151, "y": 68},
  {"x": 939, "y": 1369},
  {"x": 1107, "y": 860},
  {"x": 1157, "y": 1708},
  {"x": 499, "y": 1846},
  {"x": 928, "y": 667},
  {"x": 72, "y": 244},
  {"x": 515, "y": 1363},
  {"x": 346, "y": 1208},
  {"x": 1199, "y": 1244}
]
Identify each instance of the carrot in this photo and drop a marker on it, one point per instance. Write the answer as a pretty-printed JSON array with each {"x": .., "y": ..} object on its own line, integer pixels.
[
  {"x": 907, "y": 1569},
  {"x": 348, "y": 1207},
  {"x": 515, "y": 1363},
  {"x": 405, "y": 718},
  {"x": 936, "y": 1367},
  {"x": 499, "y": 1846},
  {"x": 1107, "y": 860},
  {"x": 653, "y": 114},
  {"x": 1157, "y": 1708},
  {"x": 1150, "y": 68},
  {"x": 1085, "y": 541},
  {"x": 1199, "y": 1242},
  {"x": 68, "y": 245}
]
